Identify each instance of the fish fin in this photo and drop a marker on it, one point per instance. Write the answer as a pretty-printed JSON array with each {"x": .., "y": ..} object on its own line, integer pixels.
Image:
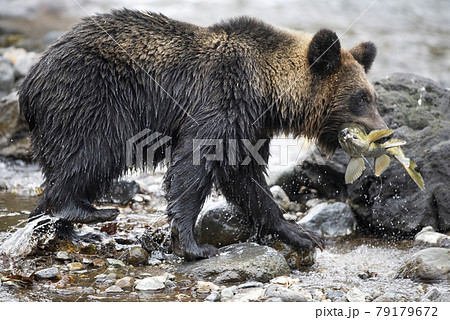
[
  {"x": 378, "y": 134},
  {"x": 417, "y": 177},
  {"x": 381, "y": 163},
  {"x": 393, "y": 143},
  {"x": 406, "y": 162},
  {"x": 354, "y": 170}
]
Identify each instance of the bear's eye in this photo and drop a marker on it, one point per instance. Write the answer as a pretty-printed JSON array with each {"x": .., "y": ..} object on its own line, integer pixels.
[{"x": 359, "y": 102}]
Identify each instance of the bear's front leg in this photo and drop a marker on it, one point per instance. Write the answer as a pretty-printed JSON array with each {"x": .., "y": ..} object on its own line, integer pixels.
[
  {"x": 247, "y": 188},
  {"x": 187, "y": 186}
]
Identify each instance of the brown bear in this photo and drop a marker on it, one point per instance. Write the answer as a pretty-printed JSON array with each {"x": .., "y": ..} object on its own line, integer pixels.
[{"x": 116, "y": 75}]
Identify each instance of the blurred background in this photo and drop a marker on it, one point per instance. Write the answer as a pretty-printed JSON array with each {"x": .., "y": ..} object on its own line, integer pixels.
[{"x": 411, "y": 35}]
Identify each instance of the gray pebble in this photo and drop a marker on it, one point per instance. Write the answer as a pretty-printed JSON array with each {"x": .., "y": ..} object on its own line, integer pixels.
[
  {"x": 335, "y": 294},
  {"x": 170, "y": 284},
  {"x": 62, "y": 255},
  {"x": 137, "y": 256},
  {"x": 279, "y": 292},
  {"x": 125, "y": 282},
  {"x": 432, "y": 295},
  {"x": 213, "y": 297},
  {"x": 114, "y": 289},
  {"x": 88, "y": 290},
  {"x": 48, "y": 273},
  {"x": 115, "y": 262},
  {"x": 227, "y": 293},
  {"x": 111, "y": 276}
]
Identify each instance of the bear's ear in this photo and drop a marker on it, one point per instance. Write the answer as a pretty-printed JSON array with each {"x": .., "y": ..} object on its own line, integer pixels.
[
  {"x": 324, "y": 53},
  {"x": 364, "y": 53}
]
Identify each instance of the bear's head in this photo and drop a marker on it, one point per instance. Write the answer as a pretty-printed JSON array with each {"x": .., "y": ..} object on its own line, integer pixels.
[{"x": 340, "y": 86}]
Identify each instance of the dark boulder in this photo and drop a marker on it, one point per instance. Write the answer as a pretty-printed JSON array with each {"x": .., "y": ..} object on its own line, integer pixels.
[{"x": 418, "y": 109}]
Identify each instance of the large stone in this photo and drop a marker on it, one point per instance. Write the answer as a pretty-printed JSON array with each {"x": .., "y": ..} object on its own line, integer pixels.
[
  {"x": 239, "y": 263},
  {"x": 418, "y": 109},
  {"x": 221, "y": 224},
  {"x": 121, "y": 192},
  {"x": 325, "y": 177},
  {"x": 24, "y": 63},
  {"x": 151, "y": 283},
  {"x": 428, "y": 264},
  {"x": 429, "y": 238},
  {"x": 280, "y": 197},
  {"x": 330, "y": 220},
  {"x": 137, "y": 256}
]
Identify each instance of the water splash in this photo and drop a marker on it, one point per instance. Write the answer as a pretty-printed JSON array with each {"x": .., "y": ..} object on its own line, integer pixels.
[{"x": 23, "y": 241}]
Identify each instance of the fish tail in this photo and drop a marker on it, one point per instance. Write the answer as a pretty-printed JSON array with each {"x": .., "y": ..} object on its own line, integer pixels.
[{"x": 417, "y": 177}]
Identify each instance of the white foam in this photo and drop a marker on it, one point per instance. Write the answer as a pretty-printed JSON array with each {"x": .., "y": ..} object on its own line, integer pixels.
[{"x": 24, "y": 240}]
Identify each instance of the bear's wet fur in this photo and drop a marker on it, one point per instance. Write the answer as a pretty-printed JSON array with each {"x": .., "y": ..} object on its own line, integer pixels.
[{"x": 114, "y": 75}]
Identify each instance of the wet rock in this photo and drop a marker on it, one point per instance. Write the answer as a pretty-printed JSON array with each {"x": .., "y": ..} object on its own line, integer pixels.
[
  {"x": 137, "y": 256},
  {"x": 330, "y": 219},
  {"x": 99, "y": 262},
  {"x": 239, "y": 263},
  {"x": 284, "y": 281},
  {"x": 356, "y": 295},
  {"x": 12, "y": 54},
  {"x": 428, "y": 237},
  {"x": 152, "y": 283},
  {"x": 125, "y": 282},
  {"x": 295, "y": 258},
  {"x": 6, "y": 76},
  {"x": 75, "y": 266},
  {"x": 62, "y": 255},
  {"x": 327, "y": 177},
  {"x": 226, "y": 293},
  {"x": 335, "y": 294},
  {"x": 24, "y": 63},
  {"x": 114, "y": 289},
  {"x": 317, "y": 294},
  {"x": 280, "y": 197},
  {"x": 115, "y": 262},
  {"x": 284, "y": 294},
  {"x": 14, "y": 129},
  {"x": 383, "y": 298},
  {"x": 427, "y": 264},
  {"x": 432, "y": 295},
  {"x": 122, "y": 192},
  {"x": 213, "y": 297},
  {"x": 249, "y": 294},
  {"x": 418, "y": 109},
  {"x": 221, "y": 224},
  {"x": 313, "y": 202},
  {"x": 111, "y": 276},
  {"x": 48, "y": 273},
  {"x": 205, "y": 287}
]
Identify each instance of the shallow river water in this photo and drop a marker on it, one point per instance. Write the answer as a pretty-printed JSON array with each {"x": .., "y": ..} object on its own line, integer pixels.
[{"x": 366, "y": 263}]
